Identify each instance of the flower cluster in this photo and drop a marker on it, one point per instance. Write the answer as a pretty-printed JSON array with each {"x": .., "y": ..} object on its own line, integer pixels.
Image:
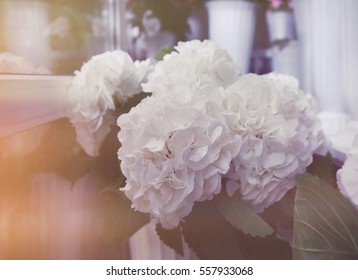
[
  {"x": 173, "y": 155},
  {"x": 176, "y": 144},
  {"x": 279, "y": 132},
  {"x": 204, "y": 122},
  {"x": 193, "y": 71},
  {"x": 102, "y": 83}
]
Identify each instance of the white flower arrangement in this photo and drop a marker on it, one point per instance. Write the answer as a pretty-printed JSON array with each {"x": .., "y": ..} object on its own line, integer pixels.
[
  {"x": 268, "y": 122},
  {"x": 279, "y": 132},
  {"x": 104, "y": 81},
  {"x": 213, "y": 156},
  {"x": 173, "y": 155},
  {"x": 194, "y": 67}
]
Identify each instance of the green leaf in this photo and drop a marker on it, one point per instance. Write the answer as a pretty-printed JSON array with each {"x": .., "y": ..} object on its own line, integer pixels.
[
  {"x": 280, "y": 215},
  {"x": 119, "y": 221},
  {"x": 106, "y": 168},
  {"x": 131, "y": 102},
  {"x": 162, "y": 52},
  {"x": 60, "y": 152},
  {"x": 209, "y": 235},
  {"x": 323, "y": 168},
  {"x": 172, "y": 238},
  {"x": 241, "y": 216},
  {"x": 325, "y": 223},
  {"x": 268, "y": 248}
]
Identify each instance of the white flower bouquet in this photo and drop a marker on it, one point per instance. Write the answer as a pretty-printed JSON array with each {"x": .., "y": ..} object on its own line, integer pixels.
[{"x": 234, "y": 165}]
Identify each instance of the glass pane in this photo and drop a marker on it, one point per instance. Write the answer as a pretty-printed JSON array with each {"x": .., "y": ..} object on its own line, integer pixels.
[{"x": 56, "y": 36}]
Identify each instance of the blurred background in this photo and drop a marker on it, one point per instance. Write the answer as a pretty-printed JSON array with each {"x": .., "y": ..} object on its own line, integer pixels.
[
  {"x": 46, "y": 216},
  {"x": 59, "y": 35}
]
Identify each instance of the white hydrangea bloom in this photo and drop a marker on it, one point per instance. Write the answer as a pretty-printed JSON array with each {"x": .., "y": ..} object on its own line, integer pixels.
[
  {"x": 204, "y": 122},
  {"x": 173, "y": 155},
  {"x": 102, "y": 83},
  {"x": 280, "y": 133},
  {"x": 195, "y": 66},
  {"x": 347, "y": 176},
  {"x": 318, "y": 142},
  {"x": 283, "y": 79}
]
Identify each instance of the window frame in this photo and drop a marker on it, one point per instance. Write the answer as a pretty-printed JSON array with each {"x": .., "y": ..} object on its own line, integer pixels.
[{"x": 28, "y": 101}]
